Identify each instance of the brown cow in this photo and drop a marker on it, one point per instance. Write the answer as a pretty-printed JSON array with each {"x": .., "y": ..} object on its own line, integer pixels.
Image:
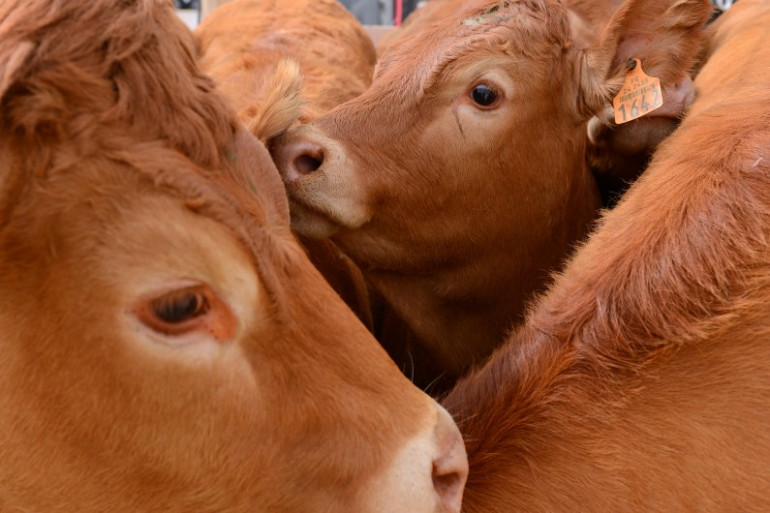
[
  {"x": 280, "y": 63},
  {"x": 640, "y": 381},
  {"x": 265, "y": 54},
  {"x": 165, "y": 345},
  {"x": 617, "y": 154},
  {"x": 458, "y": 180}
]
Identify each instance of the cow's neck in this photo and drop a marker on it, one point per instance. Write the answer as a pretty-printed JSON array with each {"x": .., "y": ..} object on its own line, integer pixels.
[
  {"x": 455, "y": 329},
  {"x": 461, "y": 302},
  {"x": 614, "y": 379}
]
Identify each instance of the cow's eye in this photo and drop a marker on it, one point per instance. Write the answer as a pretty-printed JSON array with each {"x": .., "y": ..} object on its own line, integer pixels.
[
  {"x": 187, "y": 310},
  {"x": 180, "y": 306},
  {"x": 484, "y": 95},
  {"x": 179, "y": 311}
]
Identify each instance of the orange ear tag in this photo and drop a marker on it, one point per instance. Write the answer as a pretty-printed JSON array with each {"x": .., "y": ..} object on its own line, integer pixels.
[{"x": 639, "y": 95}]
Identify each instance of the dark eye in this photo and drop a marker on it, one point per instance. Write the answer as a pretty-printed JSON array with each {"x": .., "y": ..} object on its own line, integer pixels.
[
  {"x": 180, "y": 306},
  {"x": 483, "y": 95},
  {"x": 187, "y": 310}
]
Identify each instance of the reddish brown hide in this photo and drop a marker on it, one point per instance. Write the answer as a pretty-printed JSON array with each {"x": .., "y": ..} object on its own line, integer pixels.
[
  {"x": 640, "y": 380},
  {"x": 617, "y": 154},
  {"x": 587, "y": 19},
  {"x": 458, "y": 181},
  {"x": 165, "y": 345}
]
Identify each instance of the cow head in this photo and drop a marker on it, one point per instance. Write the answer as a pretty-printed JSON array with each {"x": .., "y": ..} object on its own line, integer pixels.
[
  {"x": 165, "y": 345},
  {"x": 471, "y": 140}
]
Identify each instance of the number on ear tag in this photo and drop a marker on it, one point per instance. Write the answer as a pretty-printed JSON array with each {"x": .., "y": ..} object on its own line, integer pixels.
[{"x": 640, "y": 95}]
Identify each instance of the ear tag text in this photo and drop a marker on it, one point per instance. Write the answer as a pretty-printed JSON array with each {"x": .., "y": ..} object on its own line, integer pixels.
[{"x": 640, "y": 94}]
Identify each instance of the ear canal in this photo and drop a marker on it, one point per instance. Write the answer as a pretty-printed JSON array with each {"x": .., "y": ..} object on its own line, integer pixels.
[
  {"x": 12, "y": 62},
  {"x": 665, "y": 35}
]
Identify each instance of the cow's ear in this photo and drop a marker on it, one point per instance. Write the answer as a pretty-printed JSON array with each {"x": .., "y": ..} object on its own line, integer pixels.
[
  {"x": 280, "y": 108},
  {"x": 665, "y": 35},
  {"x": 13, "y": 58}
]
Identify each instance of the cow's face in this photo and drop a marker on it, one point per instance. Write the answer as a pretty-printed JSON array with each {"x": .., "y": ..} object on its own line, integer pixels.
[
  {"x": 157, "y": 350},
  {"x": 164, "y": 342},
  {"x": 474, "y": 130},
  {"x": 469, "y": 128}
]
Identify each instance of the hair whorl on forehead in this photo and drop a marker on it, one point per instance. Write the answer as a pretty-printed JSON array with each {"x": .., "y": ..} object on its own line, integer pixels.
[
  {"x": 526, "y": 21},
  {"x": 537, "y": 28},
  {"x": 72, "y": 69}
]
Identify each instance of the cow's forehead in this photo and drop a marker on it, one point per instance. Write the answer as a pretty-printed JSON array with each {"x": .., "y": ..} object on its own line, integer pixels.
[
  {"x": 521, "y": 26},
  {"x": 243, "y": 194},
  {"x": 96, "y": 92},
  {"x": 101, "y": 64}
]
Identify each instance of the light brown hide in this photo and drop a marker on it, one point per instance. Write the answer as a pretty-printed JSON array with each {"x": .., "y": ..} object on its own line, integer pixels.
[
  {"x": 125, "y": 183},
  {"x": 242, "y": 44}
]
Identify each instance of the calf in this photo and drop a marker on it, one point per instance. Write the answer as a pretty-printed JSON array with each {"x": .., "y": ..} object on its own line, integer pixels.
[
  {"x": 640, "y": 380},
  {"x": 458, "y": 180},
  {"x": 617, "y": 154},
  {"x": 165, "y": 345}
]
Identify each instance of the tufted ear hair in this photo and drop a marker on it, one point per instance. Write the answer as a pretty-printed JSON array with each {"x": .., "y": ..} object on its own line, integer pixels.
[
  {"x": 13, "y": 57},
  {"x": 280, "y": 108},
  {"x": 664, "y": 34}
]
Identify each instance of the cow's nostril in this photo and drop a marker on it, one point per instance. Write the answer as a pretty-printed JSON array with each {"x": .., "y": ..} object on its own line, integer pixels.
[
  {"x": 449, "y": 486},
  {"x": 306, "y": 164}
]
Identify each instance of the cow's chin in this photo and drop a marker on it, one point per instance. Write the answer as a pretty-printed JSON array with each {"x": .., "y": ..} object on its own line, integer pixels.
[{"x": 311, "y": 223}]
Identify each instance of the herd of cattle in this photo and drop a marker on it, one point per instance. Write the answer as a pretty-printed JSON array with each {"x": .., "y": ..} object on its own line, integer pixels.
[{"x": 221, "y": 252}]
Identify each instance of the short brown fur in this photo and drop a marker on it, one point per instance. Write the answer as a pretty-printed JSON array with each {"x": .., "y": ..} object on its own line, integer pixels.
[{"x": 243, "y": 43}]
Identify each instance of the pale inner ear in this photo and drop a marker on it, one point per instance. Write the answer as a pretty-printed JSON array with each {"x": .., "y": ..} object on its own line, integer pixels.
[
  {"x": 664, "y": 34},
  {"x": 13, "y": 61}
]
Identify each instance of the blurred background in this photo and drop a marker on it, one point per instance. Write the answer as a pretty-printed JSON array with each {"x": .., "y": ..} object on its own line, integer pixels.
[{"x": 369, "y": 12}]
